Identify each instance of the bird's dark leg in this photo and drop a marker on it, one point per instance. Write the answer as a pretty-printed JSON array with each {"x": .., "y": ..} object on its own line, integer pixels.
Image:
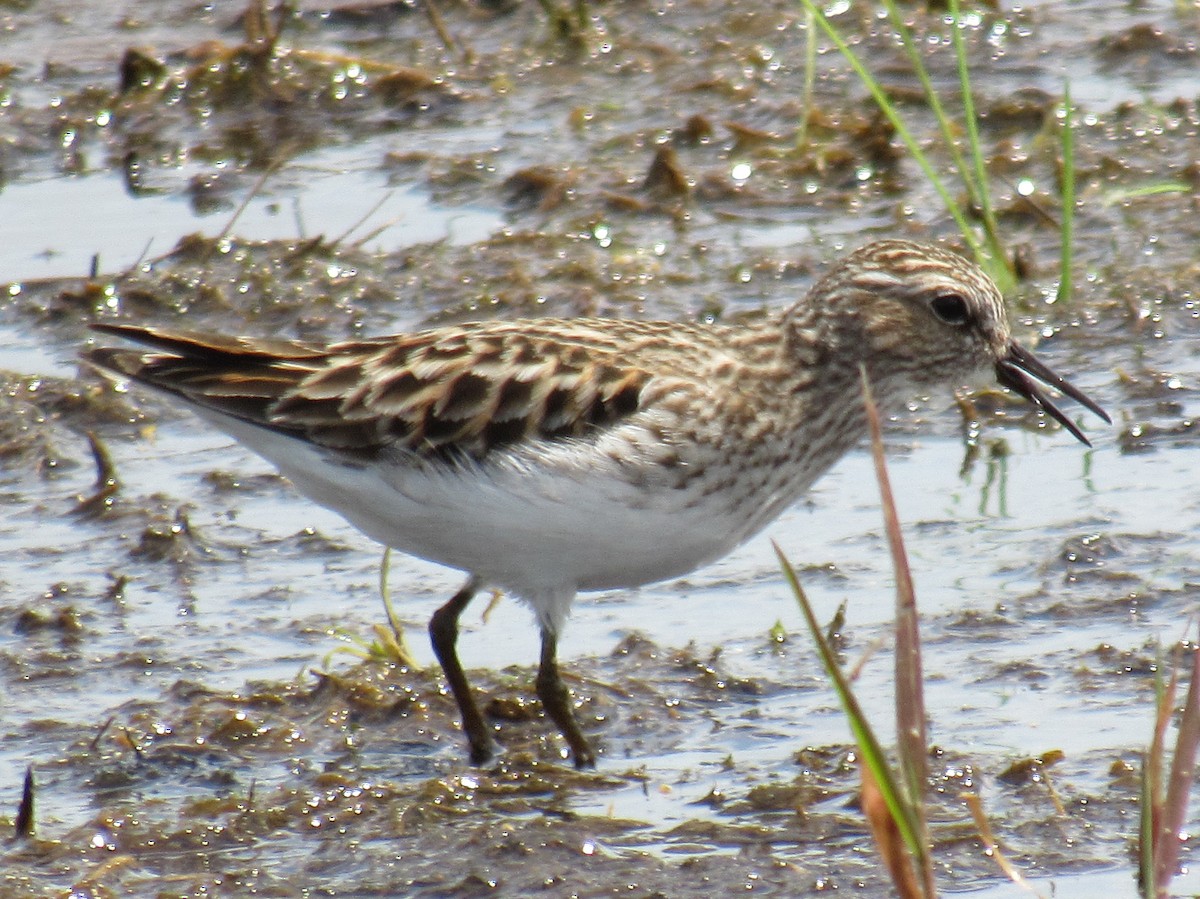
[
  {"x": 443, "y": 632},
  {"x": 556, "y": 700}
]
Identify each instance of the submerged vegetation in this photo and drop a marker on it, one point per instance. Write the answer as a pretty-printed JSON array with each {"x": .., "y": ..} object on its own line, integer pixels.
[{"x": 687, "y": 161}]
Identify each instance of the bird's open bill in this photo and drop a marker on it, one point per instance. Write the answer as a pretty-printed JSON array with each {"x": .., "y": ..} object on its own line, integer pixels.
[{"x": 1014, "y": 371}]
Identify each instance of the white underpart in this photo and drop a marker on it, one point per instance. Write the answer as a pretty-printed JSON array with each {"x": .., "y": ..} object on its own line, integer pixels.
[{"x": 543, "y": 523}]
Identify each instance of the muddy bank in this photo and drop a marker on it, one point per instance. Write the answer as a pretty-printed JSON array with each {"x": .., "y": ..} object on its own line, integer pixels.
[{"x": 162, "y": 613}]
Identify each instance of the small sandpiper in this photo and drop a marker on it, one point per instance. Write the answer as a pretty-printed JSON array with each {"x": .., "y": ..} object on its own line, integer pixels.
[{"x": 548, "y": 457}]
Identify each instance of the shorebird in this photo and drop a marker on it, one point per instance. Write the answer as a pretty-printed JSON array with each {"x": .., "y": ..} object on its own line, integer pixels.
[{"x": 548, "y": 457}]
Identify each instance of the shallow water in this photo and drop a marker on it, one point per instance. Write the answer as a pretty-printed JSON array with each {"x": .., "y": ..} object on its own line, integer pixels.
[
  {"x": 325, "y": 196},
  {"x": 157, "y": 657}
]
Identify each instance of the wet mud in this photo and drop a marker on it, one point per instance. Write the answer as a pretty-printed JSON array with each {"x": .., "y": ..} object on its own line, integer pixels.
[{"x": 188, "y": 651}]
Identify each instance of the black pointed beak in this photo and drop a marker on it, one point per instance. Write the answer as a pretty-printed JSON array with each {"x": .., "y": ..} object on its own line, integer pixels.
[{"x": 1014, "y": 372}]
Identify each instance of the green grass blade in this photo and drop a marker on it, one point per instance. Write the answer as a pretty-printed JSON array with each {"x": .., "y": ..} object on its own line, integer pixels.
[
  {"x": 889, "y": 110},
  {"x": 983, "y": 196},
  {"x": 810, "y": 77},
  {"x": 1147, "y": 886},
  {"x": 909, "y": 680},
  {"x": 868, "y": 746},
  {"x": 1179, "y": 783},
  {"x": 910, "y": 694},
  {"x": 974, "y": 177},
  {"x": 934, "y": 101},
  {"x": 1116, "y": 197},
  {"x": 402, "y": 653},
  {"x": 990, "y": 254},
  {"x": 1151, "y": 798},
  {"x": 1067, "y": 190}
]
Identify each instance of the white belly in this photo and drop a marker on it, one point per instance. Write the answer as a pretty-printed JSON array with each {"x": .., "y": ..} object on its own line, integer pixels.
[{"x": 533, "y": 530}]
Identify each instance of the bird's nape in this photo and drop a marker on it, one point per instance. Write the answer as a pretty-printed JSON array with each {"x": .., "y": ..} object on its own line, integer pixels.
[{"x": 1016, "y": 371}]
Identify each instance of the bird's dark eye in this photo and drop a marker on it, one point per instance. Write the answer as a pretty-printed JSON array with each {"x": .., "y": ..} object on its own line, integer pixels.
[{"x": 951, "y": 308}]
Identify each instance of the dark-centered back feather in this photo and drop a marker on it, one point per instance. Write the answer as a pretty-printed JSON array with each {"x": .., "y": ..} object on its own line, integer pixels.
[{"x": 433, "y": 393}]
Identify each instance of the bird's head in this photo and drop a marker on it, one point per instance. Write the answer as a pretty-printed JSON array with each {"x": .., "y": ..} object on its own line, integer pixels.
[{"x": 923, "y": 318}]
